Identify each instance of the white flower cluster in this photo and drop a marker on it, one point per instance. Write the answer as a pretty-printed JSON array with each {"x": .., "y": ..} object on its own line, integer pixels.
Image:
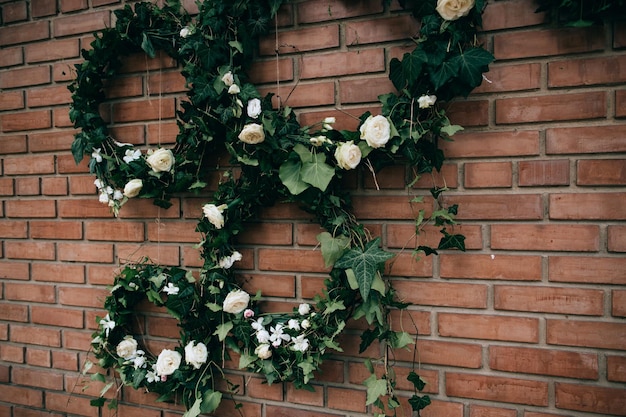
[
  {"x": 276, "y": 335},
  {"x": 108, "y": 195}
]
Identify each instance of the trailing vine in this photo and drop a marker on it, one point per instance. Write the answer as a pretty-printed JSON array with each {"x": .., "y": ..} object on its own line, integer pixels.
[
  {"x": 279, "y": 160},
  {"x": 581, "y": 13}
]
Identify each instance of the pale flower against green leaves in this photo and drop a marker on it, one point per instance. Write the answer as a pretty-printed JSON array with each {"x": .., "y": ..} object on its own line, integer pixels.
[
  {"x": 133, "y": 187},
  {"x": 127, "y": 348},
  {"x": 161, "y": 160},
  {"x": 426, "y": 101},
  {"x": 228, "y": 79},
  {"x": 234, "y": 89},
  {"x": 195, "y": 354},
  {"x": 171, "y": 289},
  {"x": 376, "y": 131},
  {"x": 107, "y": 325},
  {"x": 236, "y": 301},
  {"x": 228, "y": 261},
  {"x": 254, "y": 108},
  {"x": 263, "y": 351},
  {"x": 252, "y": 134},
  {"x": 131, "y": 155},
  {"x": 214, "y": 214},
  {"x": 348, "y": 155},
  {"x": 454, "y": 9},
  {"x": 167, "y": 362}
]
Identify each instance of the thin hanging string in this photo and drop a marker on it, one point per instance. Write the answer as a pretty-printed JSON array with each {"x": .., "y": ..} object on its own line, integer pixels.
[{"x": 277, "y": 62}]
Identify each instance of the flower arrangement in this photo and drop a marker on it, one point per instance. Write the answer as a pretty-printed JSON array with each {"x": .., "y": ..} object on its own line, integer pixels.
[{"x": 279, "y": 160}]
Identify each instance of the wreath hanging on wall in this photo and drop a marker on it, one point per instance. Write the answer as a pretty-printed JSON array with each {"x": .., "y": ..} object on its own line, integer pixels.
[{"x": 279, "y": 160}]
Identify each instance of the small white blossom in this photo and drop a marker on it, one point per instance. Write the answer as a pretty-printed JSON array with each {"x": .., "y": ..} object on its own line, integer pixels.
[
  {"x": 293, "y": 324},
  {"x": 317, "y": 140},
  {"x": 258, "y": 324},
  {"x": 304, "y": 309},
  {"x": 305, "y": 324},
  {"x": 277, "y": 335},
  {"x": 98, "y": 183},
  {"x": 263, "y": 351},
  {"x": 426, "y": 101},
  {"x": 327, "y": 123},
  {"x": 214, "y": 214},
  {"x": 97, "y": 155},
  {"x": 228, "y": 79},
  {"x": 130, "y": 155},
  {"x": 228, "y": 261},
  {"x": 254, "y": 108},
  {"x": 234, "y": 89},
  {"x": 171, "y": 289},
  {"x": 117, "y": 195},
  {"x": 103, "y": 198},
  {"x": 151, "y": 376},
  {"x": 300, "y": 343},
  {"x": 139, "y": 361},
  {"x": 186, "y": 31},
  {"x": 107, "y": 325},
  {"x": 263, "y": 336}
]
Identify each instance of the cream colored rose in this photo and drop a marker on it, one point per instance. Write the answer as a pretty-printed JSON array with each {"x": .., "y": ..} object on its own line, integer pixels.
[
  {"x": 348, "y": 155},
  {"x": 376, "y": 131},
  {"x": 252, "y": 134},
  {"x": 263, "y": 351},
  {"x": 214, "y": 214},
  {"x": 234, "y": 89},
  {"x": 127, "y": 348},
  {"x": 161, "y": 160},
  {"x": 228, "y": 79},
  {"x": 254, "y": 108},
  {"x": 133, "y": 187},
  {"x": 236, "y": 301},
  {"x": 195, "y": 355},
  {"x": 454, "y": 9},
  {"x": 168, "y": 362}
]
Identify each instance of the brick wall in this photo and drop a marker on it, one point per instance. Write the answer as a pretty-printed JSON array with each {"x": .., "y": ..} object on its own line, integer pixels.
[{"x": 528, "y": 322}]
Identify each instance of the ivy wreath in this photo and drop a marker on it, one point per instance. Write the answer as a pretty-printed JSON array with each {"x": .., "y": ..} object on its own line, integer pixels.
[{"x": 279, "y": 160}]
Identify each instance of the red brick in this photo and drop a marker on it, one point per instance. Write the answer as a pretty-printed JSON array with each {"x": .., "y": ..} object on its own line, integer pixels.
[
  {"x": 82, "y": 297},
  {"x": 12, "y": 100},
  {"x": 554, "y": 107},
  {"x": 543, "y": 299},
  {"x": 24, "y": 33},
  {"x": 73, "y": 5},
  {"x": 14, "y": 312},
  {"x": 603, "y": 335},
  {"x": 15, "y": 270},
  {"x": 267, "y": 234},
  {"x": 38, "y": 357},
  {"x": 620, "y": 103},
  {"x": 258, "y": 388},
  {"x": 70, "y": 403},
  {"x": 10, "y": 57},
  {"x": 301, "y": 40},
  {"x": 282, "y": 411},
  {"x": 500, "y": 207},
  {"x": 131, "y": 111},
  {"x": 56, "y": 50},
  {"x": 592, "y": 71},
  {"x": 307, "y": 260},
  {"x": 596, "y": 139},
  {"x": 616, "y": 368},
  {"x": 442, "y": 293},
  {"x": 13, "y": 144},
  {"x": 46, "y": 272},
  {"x": 81, "y": 23},
  {"x": 342, "y": 63},
  {"x": 163, "y": 327},
  {"x": 84, "y": 208},
  {"x": 131, "y": 86},
  {"x": 515, "y": 77},
  {"x": 28, "y": 76},
  {"x": 488, "y": 174},
  {"x": 27, "y": 186},
  {"x": 40, "y": 8},
  {"x": 546, "y": 237},
  {"x": 507, "y": 267},
  {"x": 54, "y": 186},
  {"x": 13, "y": 229},
  {"x": 22, "y": 396},
  {"x": 589, "y": 206},
  {"x": 303, "y": 95},
  {"x": 486, "y": 144},
  {"x": 37, "y": 293},
  {"x": 165, "y": 255},
  {"x": 381, "y": 30},
  {"x": 544, "y": 362},
  {"x": 82, "y": 252},
  {"x": 525, "y": 44},
  {"x": 469, "y": 113},
  {"x": 322, "y": 10},
  {"x": 48, "y": 96},
  {"x": 543, "y": 173},
  {"x": 403, "y": 236},
  {"x": 587, "y": 269},
  {"x": 122, "y": 231},
  {"x": 65, "y": 360},
  {"x": 30, "y": 250},
  {"x": 29, "y": 165},
  {"x": 12, "y": 353},
  {"x": 54, "y": 316},
  {"x": 616, "y": 238},
  {"x": 43, "y": 229},
  {"x": 506, "y": 328},
  {"x": 482, "y": 411},
  {"x": 601, "y": 172},
  {"x": 36, "y": 335},
  {"x": 494, "y": 388},
  {"x": 601, "y": 400},
  {"x": 29, "y": 120},
  {"x": 37, "y": 378},
  {"x": 346, "y": 399},
  {"x": 271, "y": 70},
  {"x": 511, "y": 14},
  {"x": 448, "y": 177},
  {"x": 618, "y": 303},
  {"x": 30, "y": 208}
]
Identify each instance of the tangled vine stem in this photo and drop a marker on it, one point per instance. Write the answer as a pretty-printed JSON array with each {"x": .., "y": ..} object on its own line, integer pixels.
[{"x": 279, "y": 160}]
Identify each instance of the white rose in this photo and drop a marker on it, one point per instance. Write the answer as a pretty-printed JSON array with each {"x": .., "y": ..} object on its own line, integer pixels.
[
  {"x": 234, "y": 89},
  {"x": 426, "y": 101},
  {"x": 252, "y": 134},
  {"x": 133, "y": 187},
  {"x": 263, "y": 351},
  {"x": 161, "y": 160},
  {"x": 168, "y": 362},
  {"x": 214, "y": 214},
  {"x": 127, "y": 348},
  {"x": 304, "y": 309},
  {"x": 195, "y": 355},
  {"x": 184, "y": 32},
  {"x": 305, "y": 324},
  {"x": 348, "y": 155},
  {"x": 254, "y": 108},
  {"x": 263, "y": 336},
  {"x": 236, "y": 301},
  {"x": 453, "y": 9},
  {"x": 228, "y": 79},
  {"x": 376, "y": 131}
]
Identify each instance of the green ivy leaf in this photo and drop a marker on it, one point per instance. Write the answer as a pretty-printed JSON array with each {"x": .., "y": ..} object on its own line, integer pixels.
[
  {"x": 418, "y": 403},
  {"x": 210, "y": 401},
  {"x": 332, "y": 247},
  {"x": 317, "y": 173},
  {"x": 375, "y": 388},
  {"x": 415, "y": 379},
  {"x": 289, "y": 174},
  {"x": 449, "y": 241},
  {"x": 147, "y": 46},
  {"x": 365, "y": 263},
  {"x": 222, "y": 330},
  {"x": 471, "y": 64},
  {"x": 246, "y": 360}
]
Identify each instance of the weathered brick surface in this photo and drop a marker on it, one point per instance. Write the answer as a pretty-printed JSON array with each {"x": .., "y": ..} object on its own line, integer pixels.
[{"x": 528, "y": 322}]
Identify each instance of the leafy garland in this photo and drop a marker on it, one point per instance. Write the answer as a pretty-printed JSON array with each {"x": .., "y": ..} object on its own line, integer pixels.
[
  {"x": 279, "y": 161},
  {"x": 582, "y": 13}
]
